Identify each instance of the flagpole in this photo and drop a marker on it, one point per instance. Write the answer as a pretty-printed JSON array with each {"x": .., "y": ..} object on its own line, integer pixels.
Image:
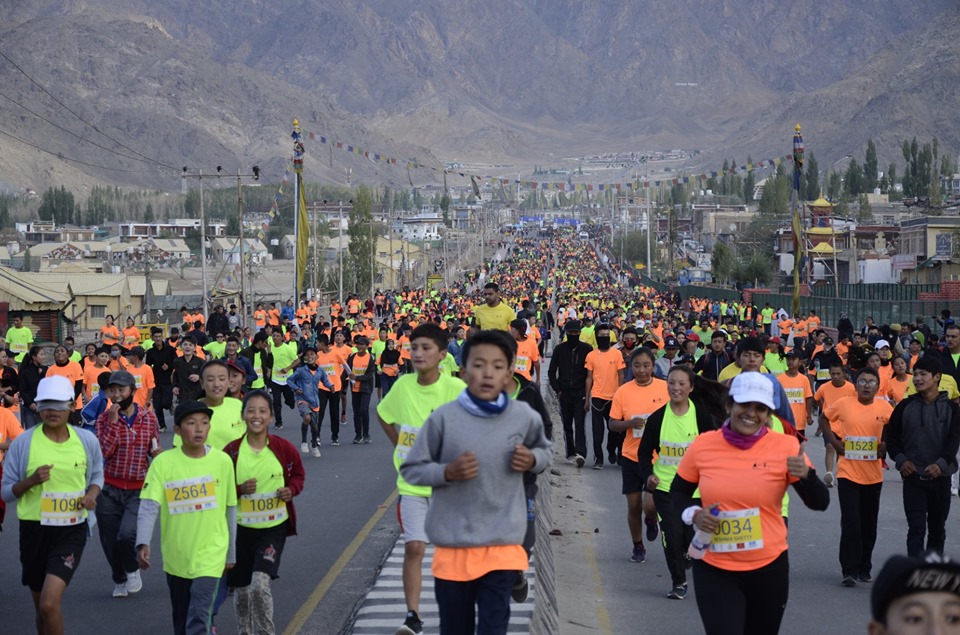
[
  {"x": 797, "y": 226},
  {"x": 298, "y": 152}
]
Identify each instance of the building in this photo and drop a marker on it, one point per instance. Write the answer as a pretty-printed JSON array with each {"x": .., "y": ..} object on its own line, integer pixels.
[
  {"x": 175, "y": 228},
  {"x": 38, "y": 232},
  {"x": 420, "y": 227},
  {"x": 227, "y": 250},
  {"x": 42, "y": 308},
  {"x": 160, "y": 252}
]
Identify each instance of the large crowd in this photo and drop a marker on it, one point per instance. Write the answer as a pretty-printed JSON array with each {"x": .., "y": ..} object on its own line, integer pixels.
[{"x": 690, "y": 399}]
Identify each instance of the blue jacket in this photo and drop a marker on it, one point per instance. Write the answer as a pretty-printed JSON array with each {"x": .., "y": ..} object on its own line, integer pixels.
[
  {"x": 94, "y": 408},
  {"x": 305, "y": 384},
  {"x": 456, "y": 349}
]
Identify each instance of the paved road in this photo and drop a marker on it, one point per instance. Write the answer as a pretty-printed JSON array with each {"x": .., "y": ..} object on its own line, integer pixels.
[
  {"x": 633, "y": 594},
  {"x": 345, "y": 488}
]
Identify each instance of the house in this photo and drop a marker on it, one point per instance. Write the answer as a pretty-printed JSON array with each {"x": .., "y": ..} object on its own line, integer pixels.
[
  {"x": 158, "y": 251},
  {"x": 38, "y": 232},
  {"x": 176, "y": 228},
  {"x": 288, "y": 246},
  {"x": 42, "y": 308},
  {"x": 227, "y": 249},
  {"x": 421, "y": 227}
]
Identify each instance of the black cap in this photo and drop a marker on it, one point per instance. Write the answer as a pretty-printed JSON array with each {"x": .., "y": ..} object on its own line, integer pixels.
[
  {"x": 685, "y": 359},
  {"x": 187, "y": 408},
  {"x": 671, "y": 342},
  {"x": 902, "y": 576},
  {"x": 519, "y": 324},
  {"x": 794, "y": 352},
  {"x": 122, "y": 378},
  {"x": 573, "y": 325}
]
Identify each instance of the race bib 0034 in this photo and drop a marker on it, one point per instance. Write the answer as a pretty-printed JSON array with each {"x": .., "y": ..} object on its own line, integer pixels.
[{"x": 739, "y": 530}]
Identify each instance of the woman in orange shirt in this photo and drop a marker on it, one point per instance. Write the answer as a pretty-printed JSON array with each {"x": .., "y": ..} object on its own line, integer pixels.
[
  {"x": 260, "y": 317},
  {"x": 743, "y": 470},
  {"x": 899, "y": 382},
  {"x": 109, "y": 333},
  {"x": 131, "y": 335}
]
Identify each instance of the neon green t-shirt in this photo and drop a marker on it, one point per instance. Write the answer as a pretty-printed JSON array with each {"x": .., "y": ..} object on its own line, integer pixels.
[
  {"x": 377, "y": 347},
  {"x": 216, "y": 349},
  {"x": 676, "y": 435},
  {"x": 56, "y": 502},
  {"x": 264, "y": 508},
  {"x": 283, "y": 356},
  {"x": 194, "y": 494},
  {"x": 407, "y": 405},
  {"x": 448, "y": 365},
  {"x": 19, "y": 341},
  {"x": 226, "y": 424}
]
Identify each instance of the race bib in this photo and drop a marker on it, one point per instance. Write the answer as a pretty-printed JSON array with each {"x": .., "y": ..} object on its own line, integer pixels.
[
  {"x": 94, "y": 390},
  {"x": 359, "y": 371},
  {"x": 638, "y": 432},
  {"x": 139, "y": 381},
  {"x": 280, "y": 377},
  {"x": 860, "y": 448},
  {"x": 405, "y": 441},
  {"x": 191, "y": 495},
  {"x": 18, "y": 347},
  {"x": 523, "y": 364},
  {"x": 259, "y": 509},
  {"x": 795, "y": 395},
  {"x": 328, "y": 368},
  {"x": 671, "y": 453},
  {"x": 823, "y": 374},
  {"x": 739, "y": 530},
  {"x": 61, "y": 509}
]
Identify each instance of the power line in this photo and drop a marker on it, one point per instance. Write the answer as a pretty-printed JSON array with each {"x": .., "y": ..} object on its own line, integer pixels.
[
  {"x": 62, "y": 157},
  {"x": 72, "y": 112}
]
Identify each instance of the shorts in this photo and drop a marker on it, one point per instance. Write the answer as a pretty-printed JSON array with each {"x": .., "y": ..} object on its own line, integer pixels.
[
  {"x": 258, "y": 550},
  {"x": 412, "y": 514},
  {"x": 48, "y": 550},
  {"x": 630, "y": 474},
  {"x": 304, "y": 409}
]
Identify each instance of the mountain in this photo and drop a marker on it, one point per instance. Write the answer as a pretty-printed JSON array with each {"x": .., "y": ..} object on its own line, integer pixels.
[{"x": 501, "y": 81}]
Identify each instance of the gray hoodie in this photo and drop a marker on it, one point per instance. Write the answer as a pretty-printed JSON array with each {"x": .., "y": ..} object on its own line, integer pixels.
[
  {"x": 490, "y": 509},
  {"x": 925, "y": 433}
]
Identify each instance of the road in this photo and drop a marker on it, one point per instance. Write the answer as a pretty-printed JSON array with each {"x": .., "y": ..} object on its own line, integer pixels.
[{"x": 345, "y": 488}]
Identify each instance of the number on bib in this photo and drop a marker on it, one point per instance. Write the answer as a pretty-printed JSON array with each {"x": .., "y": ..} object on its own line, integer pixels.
[
  {"x": 191, "y": 495},
  {"x": 259, "y": 509},
  {"x": 671, "y": 453},
  {"x": 61, "y": 509},
  {"x": 860, "y": 448},
  {"x": 739, "y": 530}
]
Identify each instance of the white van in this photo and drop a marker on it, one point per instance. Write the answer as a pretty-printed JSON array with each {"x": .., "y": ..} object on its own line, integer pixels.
[{"x": 583, "y": 235}]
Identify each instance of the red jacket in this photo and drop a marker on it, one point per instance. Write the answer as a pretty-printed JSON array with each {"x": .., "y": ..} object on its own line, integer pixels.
[{"x": 293, "y": 474}]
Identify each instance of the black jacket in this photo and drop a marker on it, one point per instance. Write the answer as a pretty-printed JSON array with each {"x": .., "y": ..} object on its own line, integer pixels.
[
  {"x": 157, "y": 358},
  {"x": 30, "y": 376},
  {"x": 949, "y": 368},
  {"x": 567, "y": 371},
  {"x": 218, "y": 323},
  {"x": 711, "y": 364},
  {"x": 182, "y": 369},
  {"x": 925, "y": 433}
]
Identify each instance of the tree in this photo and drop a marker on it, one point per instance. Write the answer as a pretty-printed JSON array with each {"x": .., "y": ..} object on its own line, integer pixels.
[
  {"x": 148, "y": 214},
  {"x": 870, "y": 167},
  {"x": 57, "y": 205},
  {"x": 854, "y": 178},
  {"x": 865, "y": 212},
  {"x": 722, "y": 262},
  {"x": 361, "y": 246},
  {"x": 812, "y": 170},
  {"x": 753, "y": 269},
  {"x": 445, "y": 209},
  {"x": 27, "y": 260},
  {"x": 749, "y": 183}
]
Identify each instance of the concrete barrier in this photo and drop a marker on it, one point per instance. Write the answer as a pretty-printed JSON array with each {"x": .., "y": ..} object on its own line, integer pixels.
[{"x": 546, "y": 611}]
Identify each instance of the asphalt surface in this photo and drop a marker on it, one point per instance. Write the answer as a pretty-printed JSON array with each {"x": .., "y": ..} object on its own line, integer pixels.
[
  {"x": 634, "y": 594},
  {"x": 344, "y": 489}
]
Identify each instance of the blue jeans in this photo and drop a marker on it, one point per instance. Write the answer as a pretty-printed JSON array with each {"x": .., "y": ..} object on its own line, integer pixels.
[
  {"x": 386, "y": 383},
  {"x": 486, "y": 600},
  {"x": 193, "y": 603}
]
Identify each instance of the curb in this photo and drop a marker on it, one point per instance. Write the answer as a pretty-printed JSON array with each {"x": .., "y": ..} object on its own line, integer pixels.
[{"x": 546, "y": 612}]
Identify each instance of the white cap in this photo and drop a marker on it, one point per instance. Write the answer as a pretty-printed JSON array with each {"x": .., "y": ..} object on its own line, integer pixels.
[
  {"x": 752, "y": 387},
  {"x": 55, "y": 388},
  {"x": 882, "y": 344}
]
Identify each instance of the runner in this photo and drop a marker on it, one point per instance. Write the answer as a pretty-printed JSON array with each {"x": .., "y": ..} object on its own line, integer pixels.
[
  {"x": 568, "y": 376},
  {"x": 742, "y": 582},
  {"x": 605, "y": 370},
  {"x": 19, "y": 338},
  {"x": 305, "y": 383},
  {"x": 269, "y": 474},
  {"x": 633, "y": 403},
  {"x": 402, "y": 414},
  {"x": 826, "y": 395},
  {"x": 54, "y": 471},
  {"x": 192, "y": 489},
  {"x": 494, "y": 314},
  {"x": 363, "y": 370},
  {"x": 284, "y": 355}
]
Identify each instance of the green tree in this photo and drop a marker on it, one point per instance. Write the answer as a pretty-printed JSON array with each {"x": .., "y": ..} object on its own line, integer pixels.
[
  {"x": 854, "y": 179},
  {"x": 870, "y": 167},
  {"x": 722, "y": 262},
  {"x": 445, "y": 209},
  {"x": 753, "y": 269},
  {"x": 148, "y": 214},
  {"x": 749, "y": 183},
  {"x": 27, "y": 261},
  {"x": 812, "y": 170},
  {"x": 865, "y": 212},
  {"x": 361, "y": 246},
  {"x": 57, "y": 205}
]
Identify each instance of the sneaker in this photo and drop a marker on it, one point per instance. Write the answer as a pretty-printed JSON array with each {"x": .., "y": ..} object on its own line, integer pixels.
[
  {"x": 848, "y": 581},
  {"x": 367, "y": 439},
  {"x": 120, "y": 590},
  {"x": 279, "y": 426},
  {"x": 412, "y": 625},
  {"x": 315, "y": 452},
  {"x": 639, "y": 554},
  {"x": 865, "y": 578},
  {"x": 612, "y": 459},
  {"x": 652, "y": 529},
  {"x": 828, "y": 479},
  {"x": 954, "y": 491},
  {"x": 678, "y": 592},
  {"x": 163, "y": 428},
  {"x": 335, "y": 442},
  {"x": 598, "y": 464},
  {"x": 134, "y": 582},
  {"x": 357, "y": 440},
  {"x": 521, "y": 588},
  {"x": 304, "y": 447},
  {"x": 579, "y": 460}
]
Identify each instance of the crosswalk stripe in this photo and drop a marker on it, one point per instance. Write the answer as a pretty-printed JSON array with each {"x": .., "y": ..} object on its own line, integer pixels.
[{"x": 384, "y": 607}]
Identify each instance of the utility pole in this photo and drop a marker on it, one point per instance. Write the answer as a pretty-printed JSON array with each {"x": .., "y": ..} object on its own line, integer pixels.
[
  {"x": 340, "y": 246},
  {"x": 649, "y": 231},
  {"x": 243, "y": 279},
  {"x": 203, "y": 235}
]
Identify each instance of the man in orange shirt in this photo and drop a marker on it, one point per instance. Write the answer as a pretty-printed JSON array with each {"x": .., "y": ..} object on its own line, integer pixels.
[
  {"x": 528, "y": 354},
  {"x": 799, "y": 393},
  {"x": 143, "y": 375},
  {"x": 834, "y": 390},
  {"x": 855, "y": 427},
  {"x": 273, "y": 315},
  {"x": 605, "y": 370},
  {"x": 259, "y": 317}
]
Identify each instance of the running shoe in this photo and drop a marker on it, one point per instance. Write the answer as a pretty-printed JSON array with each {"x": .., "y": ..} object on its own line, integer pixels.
[
  {"x": 120, "y": 590},
  {"x": 335, "y": 441},
  {"x": 639, "y": 554},
  {"x": 521, "y": 588},
  {"x": 412, "y": 625},
  {"x": 612, "y": 459},
  {"x": 367, "y": 439},
  {"x": 678, "y": 592},
  {"x": 849, "y": 580},
  {"x": 357, "y": 440},
  {"x": 598, "y": 464},
  {"x": 652, "y": 529},
  {"x": 828, "y": 479},
  {"x": 315, "y": 452},
  {"x": 279, "y": 426},
  {"x": 579, "y": 460},
  {"x": 304, "y": 447},
  {"x": 865, "y": 577},
  {"x": 134, "y": 582},
  {"x": 163, "y": 428}
]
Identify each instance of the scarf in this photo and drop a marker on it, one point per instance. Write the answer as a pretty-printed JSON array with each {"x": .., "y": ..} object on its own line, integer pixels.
[
  {"x": 742, "y": 441},
  {"x": 481, "y": 408}
]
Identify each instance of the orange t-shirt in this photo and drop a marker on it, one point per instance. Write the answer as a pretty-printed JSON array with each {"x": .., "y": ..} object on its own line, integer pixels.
[
  {"x": 605, "y": 366},
  {"x": 90, "y": 374},
  {"x": 260, "y": 318},
  {"x": 10, "y": 427},
  {"x": 145, "y": 383},
  {"x": 798, "y": 391},
  {"x": 861, "y": 429},
  {"x": 109, "y": 335},
  {"x": 722, "y": 472},
  {"x": 527, "y": 355},
  {"x": 828, "y": 394},
  {"x": 332, "y": 365},
  {"x": 463, "y": 564},
  {"x": 633, "y": 400},
  {"x": 360, "y": 364},
  {"x": 404, "y": 343},
  {"x": 273, "y": 315},
  {"x": 72, "y": 371},
  {"x": 895, "y": 388},
  {"x": 131, "y": 336}
]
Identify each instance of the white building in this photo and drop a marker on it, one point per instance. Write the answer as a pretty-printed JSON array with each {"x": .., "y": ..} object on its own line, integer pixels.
[{"x": 175, "y": 228}]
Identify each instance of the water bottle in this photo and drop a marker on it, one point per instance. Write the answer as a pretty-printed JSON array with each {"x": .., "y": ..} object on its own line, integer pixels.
[{"x": 701, "y": 540}]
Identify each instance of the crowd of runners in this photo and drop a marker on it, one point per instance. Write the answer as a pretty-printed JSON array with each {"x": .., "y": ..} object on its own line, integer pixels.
[{"x": 704, "y": 407}]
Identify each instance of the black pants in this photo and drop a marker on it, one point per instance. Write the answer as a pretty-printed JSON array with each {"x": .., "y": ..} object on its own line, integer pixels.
[
  {"x": 281, "y": 393},
  {"x": 193, "y": 602},
  {"x": 599, "y": 419},
  {"x": 162, "y": 400},
  {"x": 859, "y": 509},
  {"x": 741, "y": 602},
  {"x": 479, "y": 606},
  {"x": 926, "y": 504},
  {"x": 361, "y": 413},
  {"x": 674, "y": 535},
  {"x": 117, "y": 525},
  {"x": 574, "y": 422},
  {"x": 331, "y": 400}
]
